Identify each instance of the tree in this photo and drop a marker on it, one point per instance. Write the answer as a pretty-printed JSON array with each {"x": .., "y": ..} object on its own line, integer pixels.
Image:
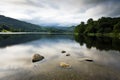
[
  {"x": 117, "y": 28},
  {"x": 80, "y": 28},
  {"x": 102, "y": 25},
  {"x": 105, "y": 27},
  {"x": 90, "y": 21},
  {"x": 91, "y": 26}
]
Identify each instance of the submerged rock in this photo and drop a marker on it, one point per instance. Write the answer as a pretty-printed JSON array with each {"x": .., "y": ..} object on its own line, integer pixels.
[
  {"x": 64, "y": 65},
  {"x": 67, "y": 54},
  {"x": 63, "y": 51},
  {"x": 37, "y": 57}
]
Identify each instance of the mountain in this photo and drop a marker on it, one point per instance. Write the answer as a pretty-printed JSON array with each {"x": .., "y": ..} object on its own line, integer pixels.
[{"x": 14, "y": 25}]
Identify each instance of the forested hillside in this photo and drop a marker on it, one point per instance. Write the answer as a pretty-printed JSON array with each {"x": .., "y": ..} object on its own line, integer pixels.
[
  {"x": 103, "y": 25},
  {"x": 12, "y": 25}
]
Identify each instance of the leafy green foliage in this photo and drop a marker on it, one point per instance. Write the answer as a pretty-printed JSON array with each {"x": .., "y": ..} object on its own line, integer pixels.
[
  {"x": 102, "y": 25},
  {"x": 80, "y": 28},
  {"x": 117, "y": 28}
]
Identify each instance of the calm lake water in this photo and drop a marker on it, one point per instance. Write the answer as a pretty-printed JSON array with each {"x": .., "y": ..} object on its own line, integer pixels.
[{"x": 16, "y": 53}]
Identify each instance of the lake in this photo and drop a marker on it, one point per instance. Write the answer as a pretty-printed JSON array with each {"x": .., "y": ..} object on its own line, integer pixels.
[{"x": 90, "y": 58}]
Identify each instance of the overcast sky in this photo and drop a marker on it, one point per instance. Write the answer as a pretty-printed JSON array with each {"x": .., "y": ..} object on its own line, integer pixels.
[{"x": 59, "y": 12}]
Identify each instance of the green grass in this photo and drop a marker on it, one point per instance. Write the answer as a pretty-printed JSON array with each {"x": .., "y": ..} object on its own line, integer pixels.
[
  {"x": 104, "y": 34},
  {"x": 76, "y": 34},
  {"x": 5, "y": 30}
]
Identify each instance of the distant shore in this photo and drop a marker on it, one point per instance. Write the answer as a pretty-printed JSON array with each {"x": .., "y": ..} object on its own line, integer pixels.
[{"x": 31, "y": 33}]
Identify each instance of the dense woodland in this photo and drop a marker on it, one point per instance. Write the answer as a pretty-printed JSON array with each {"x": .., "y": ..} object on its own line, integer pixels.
[
  {"x": 102, "y": 25},
  {"x": 12, "y": 25}
]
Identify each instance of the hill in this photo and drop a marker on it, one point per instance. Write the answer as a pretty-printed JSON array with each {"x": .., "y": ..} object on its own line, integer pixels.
[{"x": 14, "y": 25}]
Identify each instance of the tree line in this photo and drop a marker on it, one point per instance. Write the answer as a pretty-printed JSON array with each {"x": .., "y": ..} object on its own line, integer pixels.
[{"x": 102, "y": 25}]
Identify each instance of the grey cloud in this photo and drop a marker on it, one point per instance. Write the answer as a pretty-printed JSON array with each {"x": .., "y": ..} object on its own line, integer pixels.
[
  {"x": 115, "y": 9},
  {"x": 108, "y": 7},
  {"x": 60, "y": 12},
  {"x": 40, "y": 3}
]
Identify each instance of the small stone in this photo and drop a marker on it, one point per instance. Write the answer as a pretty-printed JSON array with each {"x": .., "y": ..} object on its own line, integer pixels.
[
  {"x": 67, "y": 54},
  {"x": 63, "y": 51},
  {"x": 37, "y": 57},
  {"x": 64, "y": 65},
  {"x": 89, "y": 60},
  {"x": 86, "y": 59}
]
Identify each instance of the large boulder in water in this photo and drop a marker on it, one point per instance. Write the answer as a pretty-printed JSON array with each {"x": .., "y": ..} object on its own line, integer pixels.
[{"x": 37, "y": 57}]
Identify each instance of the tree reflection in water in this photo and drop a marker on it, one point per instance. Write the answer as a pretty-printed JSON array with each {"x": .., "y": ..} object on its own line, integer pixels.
[{"x": 101, "y": 43}]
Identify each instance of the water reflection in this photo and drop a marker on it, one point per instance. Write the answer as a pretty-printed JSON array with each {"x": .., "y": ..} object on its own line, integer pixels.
[
  {"x": 100, "y": 43},
  {"x": 16, "y": 59},
  {"x": 8, "y": 40}
]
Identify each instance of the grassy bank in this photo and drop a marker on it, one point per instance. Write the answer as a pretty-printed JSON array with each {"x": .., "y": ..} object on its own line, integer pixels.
[
  {"x": 117, "y": 35},
  {"x": 104, "y": 34}
]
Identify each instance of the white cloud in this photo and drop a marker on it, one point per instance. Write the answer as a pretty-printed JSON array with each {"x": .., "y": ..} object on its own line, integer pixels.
[{"x": 60, "y": 12}]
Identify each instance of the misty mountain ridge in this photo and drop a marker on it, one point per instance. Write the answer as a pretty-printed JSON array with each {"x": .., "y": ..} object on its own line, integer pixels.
[{"x": 14, "y": 25}]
